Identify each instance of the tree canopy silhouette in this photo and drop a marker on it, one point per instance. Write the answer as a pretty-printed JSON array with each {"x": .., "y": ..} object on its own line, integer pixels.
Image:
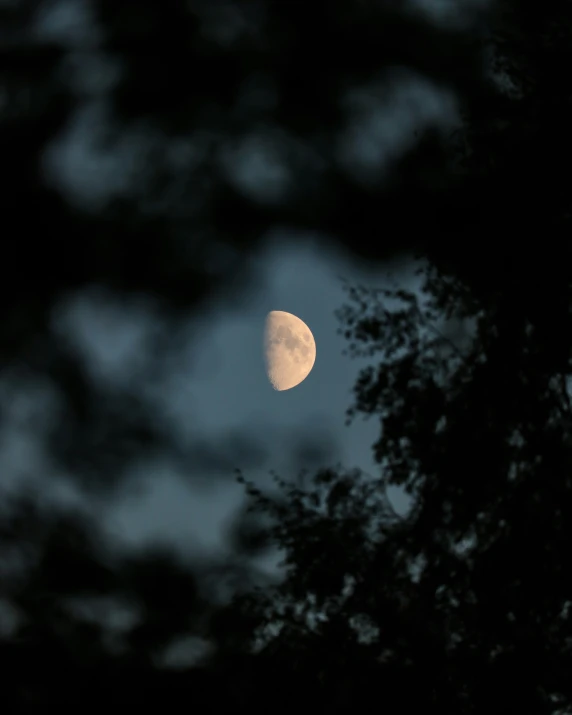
[{"x": 464, "y": 602}]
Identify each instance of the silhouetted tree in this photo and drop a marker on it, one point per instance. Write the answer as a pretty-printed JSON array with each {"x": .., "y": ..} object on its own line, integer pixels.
[{"x": 463, "y": 604}]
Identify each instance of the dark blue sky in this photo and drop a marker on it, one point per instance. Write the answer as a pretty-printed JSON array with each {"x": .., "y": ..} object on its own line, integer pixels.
[{"x": 217, "y": 387}]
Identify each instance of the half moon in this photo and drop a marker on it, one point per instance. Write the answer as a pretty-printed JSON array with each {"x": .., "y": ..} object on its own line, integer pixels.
[{"x": 289, "y": 349}]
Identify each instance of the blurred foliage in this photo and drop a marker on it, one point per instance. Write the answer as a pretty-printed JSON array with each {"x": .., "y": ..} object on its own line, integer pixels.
[
  {"x": 132, "y": 136},
  {"x": 463, "y": 603}
]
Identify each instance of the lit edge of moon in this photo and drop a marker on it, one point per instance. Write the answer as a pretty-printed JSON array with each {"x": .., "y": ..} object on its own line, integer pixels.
[{"x": 289, "y": 350}]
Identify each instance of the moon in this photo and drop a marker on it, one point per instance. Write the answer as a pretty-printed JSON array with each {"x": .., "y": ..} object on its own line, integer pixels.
[{"x": 289, "y": 349}]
